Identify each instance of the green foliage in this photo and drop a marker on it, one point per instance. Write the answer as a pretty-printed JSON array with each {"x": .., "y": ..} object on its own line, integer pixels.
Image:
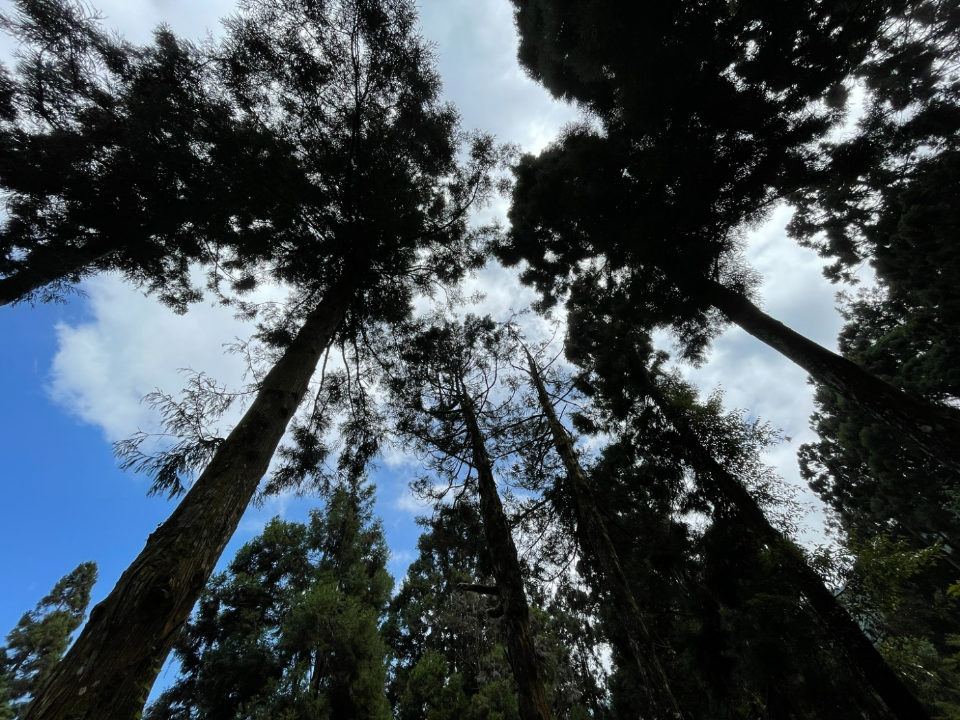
[
  {"x": 432, "y": 692},
  {"x": 42, "y": 636},
  {"x": 292, "y": 628},
  {"x": 893, "y": 590},
  {"x": 449, "y": 653}
]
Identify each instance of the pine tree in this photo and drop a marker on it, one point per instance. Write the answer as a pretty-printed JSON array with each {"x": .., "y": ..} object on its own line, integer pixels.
[
  {"x": 596, "y": 543},
  {"x": 117, "y": 157},
  {"x": 449, "y": 659},
  {"x": 717, "y": 476},
  {"x": 443, "y": 392},
  {"x": 41, "y": 638}
]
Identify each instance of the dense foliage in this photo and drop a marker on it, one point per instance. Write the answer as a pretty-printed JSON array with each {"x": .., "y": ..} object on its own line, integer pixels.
[{"x": 599, "y": 541}]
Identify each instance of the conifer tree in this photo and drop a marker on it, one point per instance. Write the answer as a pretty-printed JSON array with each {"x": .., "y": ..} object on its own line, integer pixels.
[
  {"x": 378, "y": 213},
  {"x": 723, "y": 488},
  {"x": 445, "y": 395},
  {"x": 292, "y": 627},
  {"x": 706, "y": 122},
  {"x": 117, "y": 157},
  {"x": 42, "y": 636},
  {"x": 449, "y": 659},
  {"x": 595, "y": 541}
]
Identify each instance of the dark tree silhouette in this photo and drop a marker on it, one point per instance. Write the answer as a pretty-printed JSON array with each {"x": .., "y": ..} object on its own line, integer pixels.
[{"x": 379, "y": 213}]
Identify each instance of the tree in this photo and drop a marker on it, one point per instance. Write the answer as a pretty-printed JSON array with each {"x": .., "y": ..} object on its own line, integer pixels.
[
  {"x": 722, "y": 486},
  {"x": 449, "y": 658},
  {"x": 870, "y": 482},
  {"x": 379, "y": 214},
  {"x": 118, "y": 157},
  {"x": 656, "y": 198},
  {"x": 291, "y": 629},
  {"x": 42, "y": 636},
  {"x": 443, "y": 393},
  {"x": 595, "y": 540}
]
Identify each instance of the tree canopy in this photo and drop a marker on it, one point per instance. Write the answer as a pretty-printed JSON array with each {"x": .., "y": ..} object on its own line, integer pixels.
[{"x": 599, "y": 540}]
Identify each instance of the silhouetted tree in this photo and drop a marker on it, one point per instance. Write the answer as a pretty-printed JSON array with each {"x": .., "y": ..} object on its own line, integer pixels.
[
  {"x": 447, "y": 409},
  {"x": 380, "y": 214},
  {"x": 656, "y": 198}
]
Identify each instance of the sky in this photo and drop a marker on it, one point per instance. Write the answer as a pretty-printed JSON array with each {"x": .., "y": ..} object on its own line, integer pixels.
[{"x": 72, "y": 376}]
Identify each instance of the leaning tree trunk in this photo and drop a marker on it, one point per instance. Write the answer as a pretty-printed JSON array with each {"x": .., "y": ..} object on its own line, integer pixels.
[
  {"x": 506, "y": 570},
  {"x": 109, "y": 671},
  {"x": 47, "y": 267},
  {"x": 849, "y": 638},
  {"x": 935, "y": 432},
  {"x": 594, "y": 536}
]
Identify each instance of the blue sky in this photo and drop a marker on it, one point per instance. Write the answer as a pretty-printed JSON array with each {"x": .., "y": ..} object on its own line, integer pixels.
[{"x": 71, "y": 376}]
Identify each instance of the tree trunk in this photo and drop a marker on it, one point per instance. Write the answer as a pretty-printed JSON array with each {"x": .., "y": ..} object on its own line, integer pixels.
[
  {"x": 47, "y": 267},
  {"x": 932, "y": 430},
  {"x": 861, "y": 654},
  {"x": 109, "y": 671},
  {"x": 594, "y": 536},
  {"x": 506, "y": 568}
]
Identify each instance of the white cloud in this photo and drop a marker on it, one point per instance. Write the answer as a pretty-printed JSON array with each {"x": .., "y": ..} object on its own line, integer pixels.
[
  {"x": 410, "y": 503},
  {"x": 131, "y": 346},
  {"x": 401, "y": 557}
]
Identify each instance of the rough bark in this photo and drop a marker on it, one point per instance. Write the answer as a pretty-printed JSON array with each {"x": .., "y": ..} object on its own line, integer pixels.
[
  {"x": 932, "y": 430},
  {"x": 596, "y": 540},
  {"x": 48, "y": 267},
  {"x": 506, "y": 569},
  {"x": 109, "y": 671},
  {"x": 859, "y": 652}
]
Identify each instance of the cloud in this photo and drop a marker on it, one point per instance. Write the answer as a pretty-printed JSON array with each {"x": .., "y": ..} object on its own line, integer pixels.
[
  {"x": 477, "y": 47},
  {"x": 130, "y": 346},
  {"x": 410, "y": 503},
  {"x": 401, "y": 557}
]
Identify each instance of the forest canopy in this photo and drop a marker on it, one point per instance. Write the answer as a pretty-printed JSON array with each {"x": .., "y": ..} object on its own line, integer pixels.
[{"x": 550, "y": 341}]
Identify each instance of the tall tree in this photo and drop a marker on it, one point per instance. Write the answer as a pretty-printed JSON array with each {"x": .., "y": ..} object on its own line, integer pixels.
[
  {"x": 292, "y": 627},
  {"x": 444, "y": 391},
  {"x": 595, "y": 540},
  {"x": 118, "y": 157},
  {"x": 686, "y": 158},
  {"x": 379, "y": 213},
  {"x": 725, "y": 489},
  {"x": 42, "y": 636},
  {"x": 449, "y": 658}
]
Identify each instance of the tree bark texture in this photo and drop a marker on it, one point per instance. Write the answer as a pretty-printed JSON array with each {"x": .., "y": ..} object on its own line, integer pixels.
[
  {"x": 506, "y": 568},
  {"x": 595, "y": 539},
  {"x": 108, "y": 673},
  {"x": 49, "y": 266},
  {"x": 860, "y": 653},
  {"x": 931, "y": 429}
]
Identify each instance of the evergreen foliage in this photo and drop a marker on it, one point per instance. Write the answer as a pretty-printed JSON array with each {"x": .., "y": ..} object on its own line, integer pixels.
[
  {"x": 603, "y": 543},
  {"x": 449, "y": 654},
  {"x": 291, "y": 628},
  {"x": 41, "y": 638},
  {"x": 374, "y": 210}
]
